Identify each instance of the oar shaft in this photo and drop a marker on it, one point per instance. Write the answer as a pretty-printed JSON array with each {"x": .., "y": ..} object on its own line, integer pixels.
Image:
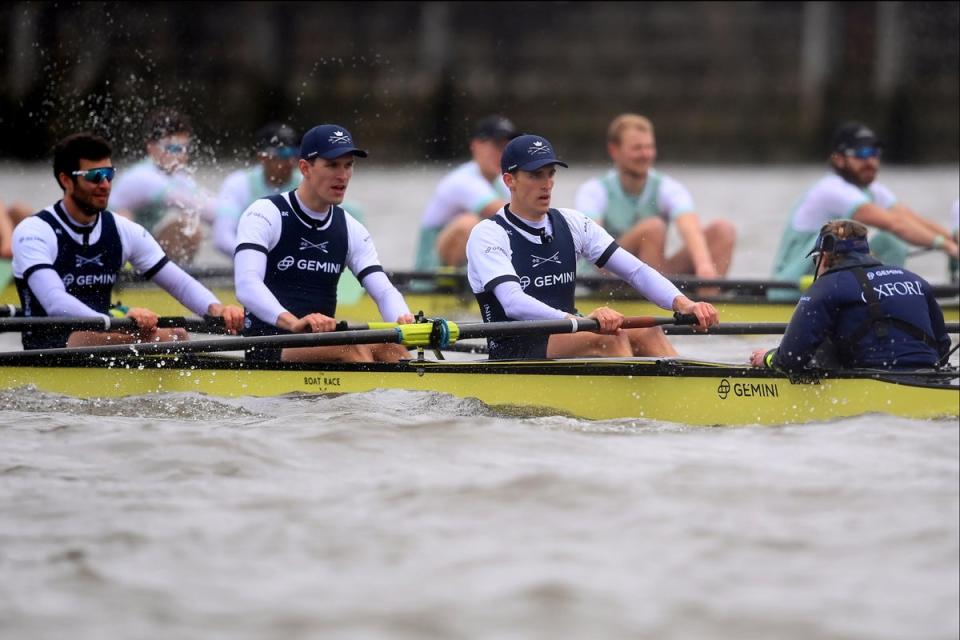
[
  {"x": 207, "y": 324},
  {"x": 755, "y": 328}
]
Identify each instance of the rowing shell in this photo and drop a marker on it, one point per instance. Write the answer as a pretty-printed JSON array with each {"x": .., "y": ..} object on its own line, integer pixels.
[{"x": 690, "y": 392}]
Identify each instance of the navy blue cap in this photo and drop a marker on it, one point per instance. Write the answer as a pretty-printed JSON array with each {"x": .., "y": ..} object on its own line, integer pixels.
[
  {"x": 495, "y": 128},
  {"x": 853, "y": 135},
  {"x": 275, "y": 136},
  {"x": 829, "y": 243},
  {"x": 528, "y": 153},
  {"x": 328, "y": 141}
]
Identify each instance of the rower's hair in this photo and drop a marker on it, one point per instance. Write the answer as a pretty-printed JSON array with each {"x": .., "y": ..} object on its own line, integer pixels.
[
  {"x": 626, "y": 121},
  {"x": 85, "y": 145},
  {"x": 844, "y": 229},
  {"x": 166, "y": 122}
]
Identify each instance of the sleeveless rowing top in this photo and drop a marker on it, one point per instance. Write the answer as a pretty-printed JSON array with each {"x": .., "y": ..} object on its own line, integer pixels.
[
  {"x": 89, "y": 272},
  {"x": 547, "y": 272},
  {"x": 623, "y": 210},
  {"x": 303, "y": 270}
]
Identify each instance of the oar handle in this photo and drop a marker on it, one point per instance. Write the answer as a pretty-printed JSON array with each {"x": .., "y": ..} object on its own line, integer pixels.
[{"x": 645, "y": 322}]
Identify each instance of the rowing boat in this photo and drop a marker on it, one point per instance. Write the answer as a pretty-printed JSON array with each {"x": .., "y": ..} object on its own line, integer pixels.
[
  {"x": 448, "y": 296},
  {"x": 677, "y": 390},
  {"x": 668, "y": 389}
]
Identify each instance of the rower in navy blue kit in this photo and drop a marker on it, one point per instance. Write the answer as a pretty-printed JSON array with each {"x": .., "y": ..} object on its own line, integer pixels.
[
  {"x": 292, "y": 248},
  {"x": 859, "y": 313},
  {"x": 521, "y": 264},
  {"x": 66, "y": 258}
]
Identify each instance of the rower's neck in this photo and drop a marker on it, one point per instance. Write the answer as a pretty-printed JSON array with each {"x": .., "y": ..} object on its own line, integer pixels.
[
  {"x": 633, "y": 183},
  {"x": 79, "y": 215},
  {"x": 310, "y": 200},
  {"x": 530, "y": 215}
]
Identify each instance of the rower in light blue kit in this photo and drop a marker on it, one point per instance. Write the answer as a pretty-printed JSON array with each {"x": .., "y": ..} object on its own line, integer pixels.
[
  {"x": 852, "y": 192},
  {"x": 292, "y": 249},
  {"x": 521, "y": 264},
  {"x": 859, "y": 313},
  {"x": 464, "y": 197},
  {"x": 160, "y": 193},
  {"x": 635, "y": 203},
  {"x": 277, "y": 152},
  {"x": 66, "y": 258}
]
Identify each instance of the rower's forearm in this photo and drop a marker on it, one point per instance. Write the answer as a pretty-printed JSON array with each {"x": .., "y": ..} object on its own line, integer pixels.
[
  {"x": 187, "y": 290},
  {"x": 644, "y": 278},
  {"x": 695, "y": 242},
  {"x": 389, "y": 300}
]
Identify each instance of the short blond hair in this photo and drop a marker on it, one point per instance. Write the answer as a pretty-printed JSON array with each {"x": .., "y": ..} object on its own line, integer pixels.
[{"x": 626, "y": 121}]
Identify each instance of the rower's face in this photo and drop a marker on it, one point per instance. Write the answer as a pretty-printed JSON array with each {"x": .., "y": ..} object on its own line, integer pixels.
[
  {"x": 89, "y": 195},
  {"x": 486, "y": 153},
  {"x": 859, "y": 171},
  {"x": 328, "y": 179},
  {"x": 170, "y": 153},
  {"x": 530, "y": 191},
  {"x": 635, "y": 153},
  {"x": 276, "y": 168}
]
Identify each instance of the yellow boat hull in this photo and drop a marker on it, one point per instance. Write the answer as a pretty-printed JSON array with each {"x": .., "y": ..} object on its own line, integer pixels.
[{"x": 675, "y": 391}]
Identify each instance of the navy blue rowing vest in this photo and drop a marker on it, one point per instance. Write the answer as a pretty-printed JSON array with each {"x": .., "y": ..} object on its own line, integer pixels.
[
  {"x": 88, "y": 271},
  {"x": 304, "y": 268},
  {"x": 547, "y": 272}
]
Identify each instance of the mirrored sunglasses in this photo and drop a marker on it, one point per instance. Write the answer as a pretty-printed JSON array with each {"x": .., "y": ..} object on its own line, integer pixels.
[
  {"x": 96, "y": 176},
  {"x": 282, "y": 153},
  {"x": 176, "y": 148},
  {"x": 862, "y": 153}
]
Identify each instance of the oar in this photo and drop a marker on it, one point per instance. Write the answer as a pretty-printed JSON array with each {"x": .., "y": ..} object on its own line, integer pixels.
[
  {"x": 206, "y": 324},
  {"x": 755, "y": 328},
  {"x": 457, "y": 280},
  {"x": 435, "y": 334}
]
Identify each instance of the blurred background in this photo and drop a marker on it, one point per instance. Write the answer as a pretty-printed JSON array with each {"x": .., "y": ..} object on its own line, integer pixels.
[{"x": 731, "y": 82}]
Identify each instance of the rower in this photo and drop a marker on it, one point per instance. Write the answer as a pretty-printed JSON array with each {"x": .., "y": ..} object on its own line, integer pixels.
[
  {"x": 292, "y": 248},
  {"x": 521, "y": 264},
  {"x": 161, "y": 194},
  {"x": 859, "y": 312},
  {"x": 66, "y": 257}
]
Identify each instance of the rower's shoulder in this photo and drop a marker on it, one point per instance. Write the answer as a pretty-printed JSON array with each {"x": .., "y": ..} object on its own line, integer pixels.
[{"x": 32, "y": 227}]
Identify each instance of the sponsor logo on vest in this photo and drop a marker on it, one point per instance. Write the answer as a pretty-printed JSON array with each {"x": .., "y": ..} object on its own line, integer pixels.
[
  {"x": 81, "y": 261},
  {"x": 884, "y": 272},
  {"x": 306, "y": 244},
  {"x": 551, "y": 279},
  {"x": 89, "y": 280},
  {"x": 524, "y": 282},
  {"x": 537, "y": 260},
  {"x": 748, "y": 389},
  {"x": 308, "y": 265},
  {"x": 890, "y": 289}
]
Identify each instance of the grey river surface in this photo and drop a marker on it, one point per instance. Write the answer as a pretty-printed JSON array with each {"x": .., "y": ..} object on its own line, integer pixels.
[{"x": 416, "y": 515}]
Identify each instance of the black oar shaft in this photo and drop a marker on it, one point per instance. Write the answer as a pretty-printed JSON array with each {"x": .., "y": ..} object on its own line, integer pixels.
[
  {"x": 207, "y": 324},
  {"x": 755, "y": 328},
  {"x": 337, "y": 338}
]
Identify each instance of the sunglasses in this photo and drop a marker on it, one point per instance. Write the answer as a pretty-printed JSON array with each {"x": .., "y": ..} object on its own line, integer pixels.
[
  {"x": 176, "y": 148},
  {"x": 862, "y": 153},
  {"x": 282, "y": 153},
  {"x": 96, "y": 176}
]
